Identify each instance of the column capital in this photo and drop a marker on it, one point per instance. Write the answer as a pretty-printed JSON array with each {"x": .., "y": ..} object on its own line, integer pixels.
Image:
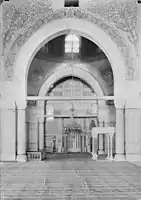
[
  {"x": 40, "y": 103},
  {"x": 119, "y": 103},
  {"x": 102, "y": 103},
  {"x": 21, "y": 105}
]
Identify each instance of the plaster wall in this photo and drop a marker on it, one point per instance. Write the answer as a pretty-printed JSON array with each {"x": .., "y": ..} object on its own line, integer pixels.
[{"x": 133, "y": 134}]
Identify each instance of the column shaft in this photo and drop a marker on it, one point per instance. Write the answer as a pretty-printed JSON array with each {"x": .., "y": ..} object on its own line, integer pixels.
[
  {"x": 41, "y": 136},
  {"x": 120, "y": 135},
  {"x": 21, "y": 133},
  {"x": 41, "y": 124},
  {"x": 65, "y": 142},
  {"x": 94, "y": 147},
  {"x": 101, "y": 144}
]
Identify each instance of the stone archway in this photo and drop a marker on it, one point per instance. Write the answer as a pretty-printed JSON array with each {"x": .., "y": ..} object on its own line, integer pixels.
[
  {"x": 48, "y": 31},
  {"x": 65, "y": 71},
  {"x": 18, "y": 86}
]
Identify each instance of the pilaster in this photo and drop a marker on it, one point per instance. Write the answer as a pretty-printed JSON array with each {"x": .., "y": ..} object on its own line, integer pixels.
[
  {"x": 21, "y": 136},
  {"x": 120, "y": 130},
  {"x": 101, "y": 144},
  {"x": 132, "y": 130},
  {"x": 8, "y": 134}
]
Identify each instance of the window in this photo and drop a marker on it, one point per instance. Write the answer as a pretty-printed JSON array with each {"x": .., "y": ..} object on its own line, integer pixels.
[
  {"x": 71, "y": 3},
  {"x": 72, "y": 44}
]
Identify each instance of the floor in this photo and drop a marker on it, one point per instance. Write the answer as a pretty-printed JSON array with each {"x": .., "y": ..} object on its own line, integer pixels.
[{"x": 70, "y": 177}]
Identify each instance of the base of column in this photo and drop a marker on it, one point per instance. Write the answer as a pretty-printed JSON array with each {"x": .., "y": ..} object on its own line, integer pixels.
[
  {"x": 21, "y": 158},
  {"x": 101, "y": 152},
  {"x": 110, "y": 158},
  {"x": 119, "y": 157},
  {"x": 94, "y": 156}
]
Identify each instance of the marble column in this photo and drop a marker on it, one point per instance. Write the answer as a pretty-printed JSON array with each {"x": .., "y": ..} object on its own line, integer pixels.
[
  {"x": 41, "y": 135},
  {"x": 120, "y": 128},
  {"x": 65, "y": 143},
  {"x": 83, "y": 143},
  {"x": 40, "y": 106},
  {"x": 94, "y": 145},
  {"x": 21, "y": 136},
  {"x": 111, "y": 145},
  {"x": 102, "y": 118},
  {"x": 101, "y": 144}
]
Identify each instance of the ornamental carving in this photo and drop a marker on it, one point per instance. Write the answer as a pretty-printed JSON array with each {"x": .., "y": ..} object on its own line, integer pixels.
[{"x": 20, "y": 21}]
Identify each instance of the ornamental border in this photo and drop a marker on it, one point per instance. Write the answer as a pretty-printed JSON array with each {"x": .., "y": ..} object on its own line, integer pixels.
[{"x": 28, "y": 29}]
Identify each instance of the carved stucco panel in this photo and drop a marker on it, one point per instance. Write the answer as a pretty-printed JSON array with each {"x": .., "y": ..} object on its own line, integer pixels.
[{"x": 28, "y": 20}]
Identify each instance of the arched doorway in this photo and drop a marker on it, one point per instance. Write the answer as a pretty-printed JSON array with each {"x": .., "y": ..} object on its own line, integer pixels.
[
  {"x": 56, "y": 28},
  {"x": 60, "y": 116},
  {"x": 70, "y": 122},
  {"x": 33, "y": 47}
]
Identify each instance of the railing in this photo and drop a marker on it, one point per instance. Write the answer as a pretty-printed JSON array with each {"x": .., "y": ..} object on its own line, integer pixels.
[{"x": 35, "y": 156}]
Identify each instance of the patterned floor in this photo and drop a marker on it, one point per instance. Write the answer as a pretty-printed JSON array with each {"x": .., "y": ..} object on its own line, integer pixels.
[{"x": 70, "y": 177}]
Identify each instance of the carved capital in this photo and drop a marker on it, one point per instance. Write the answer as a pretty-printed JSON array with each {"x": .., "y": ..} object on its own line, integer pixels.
[{"x": 120, "y": 103}]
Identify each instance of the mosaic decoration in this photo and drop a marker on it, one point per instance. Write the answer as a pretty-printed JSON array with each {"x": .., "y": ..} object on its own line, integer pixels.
[{"x": 21, "y": 20}]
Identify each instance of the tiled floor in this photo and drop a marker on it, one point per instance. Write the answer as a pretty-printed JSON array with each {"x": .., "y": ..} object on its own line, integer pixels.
[{"x": 70, "y": 177}]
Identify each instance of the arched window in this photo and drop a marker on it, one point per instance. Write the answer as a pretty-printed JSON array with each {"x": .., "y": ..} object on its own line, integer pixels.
[{"x": 72, "y": 44}]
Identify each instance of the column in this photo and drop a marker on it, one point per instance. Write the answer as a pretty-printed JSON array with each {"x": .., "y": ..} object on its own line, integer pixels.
[
  {"x": 111, "y": 146},
  {"x": 41, "y": 135},
  {"x": 94, "y": 148},
  {"x": 120, "y": 127},
  {"x": 21, "y": 136},
  {"x": 101, "y": 144},
  {"x": 82, "y": 143},
  {"x": 41, "y": 124},
  {"x": 89, "y": 142},
  {"x": 108, "y": 146},
  {"x": 102, "y": 117},
  {"x": 65, "y": 142},
  {"x": 94, "y": 145},
  {"x": 75, "y": 140}
]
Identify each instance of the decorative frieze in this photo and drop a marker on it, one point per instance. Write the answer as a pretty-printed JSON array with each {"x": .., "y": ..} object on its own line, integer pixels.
[{"x": 114, "y": 18}]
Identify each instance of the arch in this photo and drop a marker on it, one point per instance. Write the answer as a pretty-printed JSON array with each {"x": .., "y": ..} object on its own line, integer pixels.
[
  {"x": 67, "y": 71},
  {"x": 62, "y": 26}
]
